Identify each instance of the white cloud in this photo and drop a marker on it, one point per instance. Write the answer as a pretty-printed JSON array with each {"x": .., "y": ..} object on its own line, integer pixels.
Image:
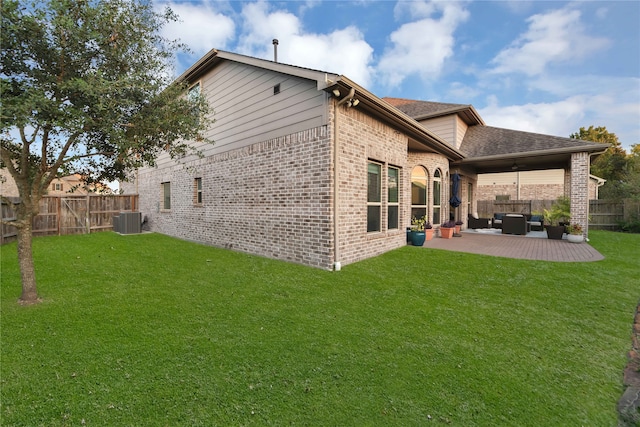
[
  {"x": 547, "y": 118},
  {"x": 200, "y": 27},
  {"x": 557, "y": 36},
  {"x": 342, "y": 51},
  {"x": 564, "y": 117},
  {"x": 421, "y": 47}
]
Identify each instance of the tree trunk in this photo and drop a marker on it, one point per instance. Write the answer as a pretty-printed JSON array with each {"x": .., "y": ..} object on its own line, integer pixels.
[{"x": 27, "y": 270}]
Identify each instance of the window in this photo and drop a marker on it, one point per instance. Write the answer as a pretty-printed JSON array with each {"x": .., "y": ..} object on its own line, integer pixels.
[
  {"x": 418, "y": 192},
  {"x": 503, "y": 197},
  {"x": 374, "y": 197},
  {"x": 437, "y": 188},
  {"x": 166, "y": 195},
  {"x": 197, "y": 188},
  {"x": 393, "y": 206},
  {"x": 56, "y": 187},
  {"x": 469, "y": 197},
  {"x": 193, "y": 94}
]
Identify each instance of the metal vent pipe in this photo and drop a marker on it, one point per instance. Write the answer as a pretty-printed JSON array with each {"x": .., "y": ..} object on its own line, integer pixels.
[{"x": 275, "y": 50}]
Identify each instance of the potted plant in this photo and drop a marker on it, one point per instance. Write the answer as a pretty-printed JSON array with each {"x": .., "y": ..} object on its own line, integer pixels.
[
  {"x": 556, "y": 216},
  {"x": 417, "y": 235},
  {"x": 575, "y": 233},
  {"x": 458, "y": 225},
  {"x": 447, "y": 229},
  {"x": 428, "y": 230}
]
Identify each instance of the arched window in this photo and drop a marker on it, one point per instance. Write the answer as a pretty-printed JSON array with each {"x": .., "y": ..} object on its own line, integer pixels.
[
  {"x": 418, "y": 192},
  {"x": 437, "y": 190}
]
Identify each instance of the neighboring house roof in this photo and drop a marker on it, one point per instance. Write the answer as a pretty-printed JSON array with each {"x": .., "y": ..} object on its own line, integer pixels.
[{"x": 421, "y": 138}]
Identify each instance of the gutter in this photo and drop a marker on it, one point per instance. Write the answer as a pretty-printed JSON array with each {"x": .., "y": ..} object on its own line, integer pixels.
[
  {"x": 525, "y": 154},
  {"x": 397, "y": 119}
]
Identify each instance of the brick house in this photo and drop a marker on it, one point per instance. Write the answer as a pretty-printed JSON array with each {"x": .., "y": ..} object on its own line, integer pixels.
[
  {"x": 312, "y": 168},
  {"x": 529, "y": 185}
]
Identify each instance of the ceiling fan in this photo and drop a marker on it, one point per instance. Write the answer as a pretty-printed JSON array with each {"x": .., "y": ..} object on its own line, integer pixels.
[{"x": 516, "y": 166}]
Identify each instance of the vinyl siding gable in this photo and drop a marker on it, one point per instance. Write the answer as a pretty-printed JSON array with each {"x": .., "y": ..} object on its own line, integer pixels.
[{"x": 246, "y": 110}]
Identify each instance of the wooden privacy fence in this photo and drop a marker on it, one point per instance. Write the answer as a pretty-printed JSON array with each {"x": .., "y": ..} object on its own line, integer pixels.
[
  {"x": 603, "y": 214},
  {"x": 70, "y": 214}
]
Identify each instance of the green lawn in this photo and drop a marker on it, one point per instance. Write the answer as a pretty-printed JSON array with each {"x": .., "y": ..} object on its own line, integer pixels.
[{"x": 146, "y": 330}]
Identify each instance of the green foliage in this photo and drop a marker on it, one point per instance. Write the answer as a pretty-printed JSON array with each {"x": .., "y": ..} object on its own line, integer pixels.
[
  {"x": 631, "y": 225},
  {"x": 86, "y": 87},
  {"x": 560, "y": 211},
  {"x": 150, "y": 330},
  {"x": 420, "y": 224},
  {"x": 612, "y": 165}
]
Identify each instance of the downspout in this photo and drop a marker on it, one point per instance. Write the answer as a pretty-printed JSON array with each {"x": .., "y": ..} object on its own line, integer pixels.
[
  {"x": 336, "y": 180},
  {"x": 336, "y": 193}
]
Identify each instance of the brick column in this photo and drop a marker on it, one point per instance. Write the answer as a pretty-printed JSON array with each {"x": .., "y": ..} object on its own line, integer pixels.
[{"x": 579, "y": 191}]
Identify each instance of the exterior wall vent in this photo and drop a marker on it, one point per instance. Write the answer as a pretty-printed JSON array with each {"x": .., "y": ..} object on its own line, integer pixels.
[{"x": 276, "y": 89}]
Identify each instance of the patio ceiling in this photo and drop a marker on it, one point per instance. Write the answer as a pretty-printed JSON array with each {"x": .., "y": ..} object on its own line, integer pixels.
[{"x": 518, "y": 162}]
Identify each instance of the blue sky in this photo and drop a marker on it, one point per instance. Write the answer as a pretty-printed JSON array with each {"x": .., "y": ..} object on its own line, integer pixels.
[{"x": 540, "y": 66}]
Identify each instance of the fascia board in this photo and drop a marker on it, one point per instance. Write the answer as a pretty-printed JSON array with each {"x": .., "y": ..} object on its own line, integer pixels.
[
  {"x": 322, "y": 79},
  {"x": 400, "y": 120},
  {"x": 552, "y": 151}
]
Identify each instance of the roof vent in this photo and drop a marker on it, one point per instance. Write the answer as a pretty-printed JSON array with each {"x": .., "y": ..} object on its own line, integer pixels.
[{"x": 275, "y": 50}]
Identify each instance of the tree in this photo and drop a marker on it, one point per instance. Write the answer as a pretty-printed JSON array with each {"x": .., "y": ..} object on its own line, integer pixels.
[
  {"x": 86, "y": 88},
  {"x": 632, "y": 184},
  {"x": 611, "y": 165}
]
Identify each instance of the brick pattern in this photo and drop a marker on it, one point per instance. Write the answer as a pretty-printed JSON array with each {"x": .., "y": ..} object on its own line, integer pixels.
[
  {"x": 430, "y": 162},
  {"x": 530, "y": 191},
  {"x": 271, "y": 198},
  {"x": 579, "y": 190},
  {"x": 362, "y": 138}
]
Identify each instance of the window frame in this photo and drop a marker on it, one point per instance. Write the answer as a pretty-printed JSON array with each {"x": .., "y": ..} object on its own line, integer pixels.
[
  {"x": 436, "y": 207},
  {"x": 423, "y": 208},
  {"x": 393, "y": 204},
  {"x": 197, "y": 191},
  {"x": 191, "y": 97},
  {"x": 166, "y": 195},
  {"x": 374, "y": 203}
]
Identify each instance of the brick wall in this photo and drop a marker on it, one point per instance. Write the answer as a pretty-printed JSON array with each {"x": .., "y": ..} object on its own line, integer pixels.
[
  {"x": 275, "y": 198},
  {"x": 579, "y": 193},
  {"x": 271, "y": 198},
  {"x": 530, "y": 191},
  {"x": 527, "y": 191},
  {"x": 430, "y": 162},
  {"x": 362, "y": 138}
]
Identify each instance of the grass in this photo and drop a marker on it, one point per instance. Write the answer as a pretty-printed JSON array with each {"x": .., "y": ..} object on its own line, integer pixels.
[{"x": 150, "y": 330}]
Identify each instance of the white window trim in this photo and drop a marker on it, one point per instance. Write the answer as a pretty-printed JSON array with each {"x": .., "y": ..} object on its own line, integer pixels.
[{"x": 380, "y": 203}]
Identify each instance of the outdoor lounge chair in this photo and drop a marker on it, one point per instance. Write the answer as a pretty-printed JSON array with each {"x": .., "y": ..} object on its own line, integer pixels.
[
  {"x": 515, "y": 224},
  {"x": 473, "y": 222},
  {"x": 536, "y": 222}
]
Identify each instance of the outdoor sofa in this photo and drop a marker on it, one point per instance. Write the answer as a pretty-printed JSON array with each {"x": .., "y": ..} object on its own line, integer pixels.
[
  {"x": 536, "y": 222},
  {"x": 515, "y": 224}
]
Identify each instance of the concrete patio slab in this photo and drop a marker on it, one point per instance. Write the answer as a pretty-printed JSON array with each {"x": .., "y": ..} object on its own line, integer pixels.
[{"x": 521, "y": 247}]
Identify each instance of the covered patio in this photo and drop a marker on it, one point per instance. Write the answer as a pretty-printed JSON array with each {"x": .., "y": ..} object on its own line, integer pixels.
[{"x": 520, "y": 247}]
